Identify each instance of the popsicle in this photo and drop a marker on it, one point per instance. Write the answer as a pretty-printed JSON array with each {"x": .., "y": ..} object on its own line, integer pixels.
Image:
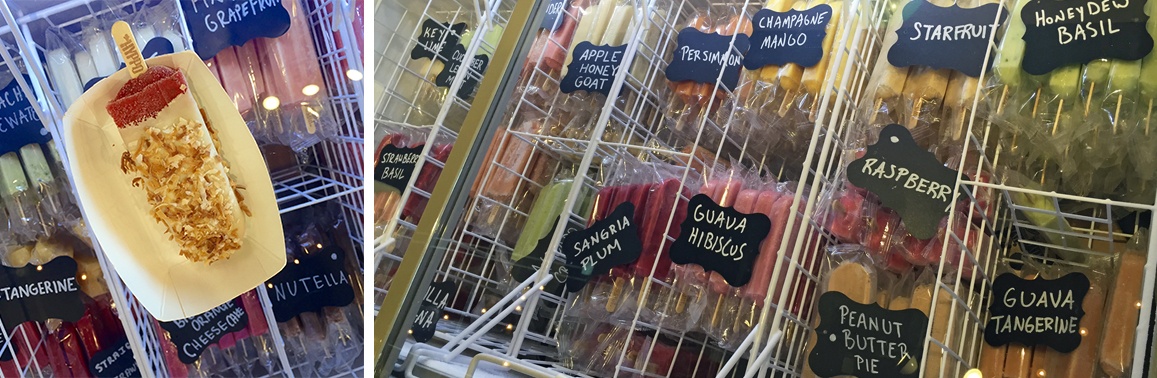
[
  {"x": 855, "y": 280},
  {"x": 237, "y": 79},
  {"x": 40, "y": 178},
  {"x": 550, "y": 48},
  {"x": 101, "y": 50},
  {"x": 888, "y": 80},
  {"x": 1123, "y": 310},
  {"x": 1082, "y": 362},
  {"x": 591, "y": 27},
  {"x": 790, "y": 74},
  {"x": 845, "y": 215},
  {"x": 291, "y": 62},
  {"x": 19, "y": 199},
  {"x": 85, "y": 67},
  {"x": 162, "y": 127},
  {"x": 813, "y": 77},
  {"x": 64, "y": 75}
]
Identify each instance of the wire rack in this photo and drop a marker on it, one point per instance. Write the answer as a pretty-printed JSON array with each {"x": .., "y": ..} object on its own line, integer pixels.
[
  {"x": 492, "y": 314},
  {"x": 409, "y": 100},
  {"x": 331, "y": 171}
]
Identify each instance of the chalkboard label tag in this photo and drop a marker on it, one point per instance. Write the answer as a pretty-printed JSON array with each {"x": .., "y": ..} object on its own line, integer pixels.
[
  {"x": 216, "y": 25},
  {"x": 310, "y": 283},
  {"x": 430, "y": 312},
  {"x": 35, "y": 293},
  {"x": 1063, "y": 32},
  {"x": 116, "y": 361},
  {"x": 396, "y": 164},
  {"x": 720, "y": 239},
  {"x": 19, "y": 124},
  {"x": 192, "y": 335},
  {"x": 866, "y": 340},
  {"x": 946, "y": 37},
  {"x": 593, "y": 68},
  {"x": 907, "y": 179},
  {"x": 527, "y": 265},
  {"x": 699, "y": 57},
  {"x": 607, "y": 243},
  {"x": 555, "y": 13},
  {"x": 477, "y": 67},
  {"x": 795, "y": 36},
  {"x": 438, "y": 40},
  {"x": 1037, "y": 312}
]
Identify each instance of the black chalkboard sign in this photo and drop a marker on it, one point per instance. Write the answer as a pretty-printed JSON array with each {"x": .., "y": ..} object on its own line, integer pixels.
[
  {"x": 430, "y": 312},
  {"x": 593, "y": 68},
  {"x": 19, "y": 124},
  {"x": 907, "y": 179},
  {"x": 555, "y": 14},
  {"x": 395, "y": 165},
  {"x": 192, "y": 335},
  {"x": 1037, "y": 312},
  {"x": 720, "y": 239},
  {"x": 477, "y": 65},
  {"x": 607, "y": 243},
  {"x": 310, "y": 283},
  {"x": 216, "y": 25},
  {"x": 699, "y": 57},
  {"x": 795, "y": 36},
  {"x": 1062, "y": 32},
  {"x": 116, "y": 361},
  {"x": 34, "y": 293},
  {"x": 438, "y": 40},
  {"x": 866, "y": 340},
  {"x": 946, "y": 37}
]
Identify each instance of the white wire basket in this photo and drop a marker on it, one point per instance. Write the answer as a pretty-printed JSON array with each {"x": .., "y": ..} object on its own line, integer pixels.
[{"x": 513, "y": 325}]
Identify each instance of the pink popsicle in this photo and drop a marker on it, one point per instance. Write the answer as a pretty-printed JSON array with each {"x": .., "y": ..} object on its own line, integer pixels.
[
  {"x": 291, "y": 60},
  {"x": 756, "y": 290},
  {"x": 249, "y": 61}
]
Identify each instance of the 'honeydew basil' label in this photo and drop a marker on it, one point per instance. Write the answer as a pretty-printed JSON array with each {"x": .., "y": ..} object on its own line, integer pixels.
[
  {"x": 1063, "y": 32},
  {"x": 19, "y": 124},
  {"x": 192, "y": 335},
  {"x": 40, "y": 292},
  {"x": 395, "y": 165},
  {"x": 555, "y": 14},
  {"x": 720, "y": 239},
  {"x": 592, "y": 68},
  {"x": 310, "y": 283},
  {"x": 699, "y": 57},
  {"x": 116, "y": 361},
  {"x": 1037, "y": 312},
  {"x": 216, "y": 25},
  {"x": 430, "y": 312},
  {"x": 907, "y": 179},
  {"x": 437, "y": 40},
  {"x": 477, "y": 67},
  {"x": 866, "y": 340},
  {"x": 795, "y": 36},
  {"x": 946, "y": 37},
  {"x": 608, "y": 243}
]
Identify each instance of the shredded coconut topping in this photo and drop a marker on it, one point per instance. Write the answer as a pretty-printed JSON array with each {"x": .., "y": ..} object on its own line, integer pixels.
[{"x": 189, "y": 190}]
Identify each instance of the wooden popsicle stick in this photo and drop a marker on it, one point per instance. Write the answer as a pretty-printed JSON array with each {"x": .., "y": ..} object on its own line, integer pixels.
[{"x": 122, "y": 34}]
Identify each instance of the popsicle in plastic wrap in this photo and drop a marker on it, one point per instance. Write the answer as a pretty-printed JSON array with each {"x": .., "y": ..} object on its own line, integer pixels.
[{"x": 1123, "y": 308}]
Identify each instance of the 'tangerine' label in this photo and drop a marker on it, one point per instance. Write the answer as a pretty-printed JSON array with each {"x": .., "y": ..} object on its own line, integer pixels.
[
  {"x": 720, "y": 239},
  {"x": 795, "y": 36},
  {"x": 38, "y": 293},
  {"x": 593, "y": 68},
  {"x": 1062, "y": 32},
  {"x": 946, "y": 37},
  {"x": 699, "y": 57},
  {"x": 1037, "y": 312}
]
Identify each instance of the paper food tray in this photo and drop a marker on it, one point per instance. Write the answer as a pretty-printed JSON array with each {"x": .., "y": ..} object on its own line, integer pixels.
[{"x": 168, "y": 285}]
